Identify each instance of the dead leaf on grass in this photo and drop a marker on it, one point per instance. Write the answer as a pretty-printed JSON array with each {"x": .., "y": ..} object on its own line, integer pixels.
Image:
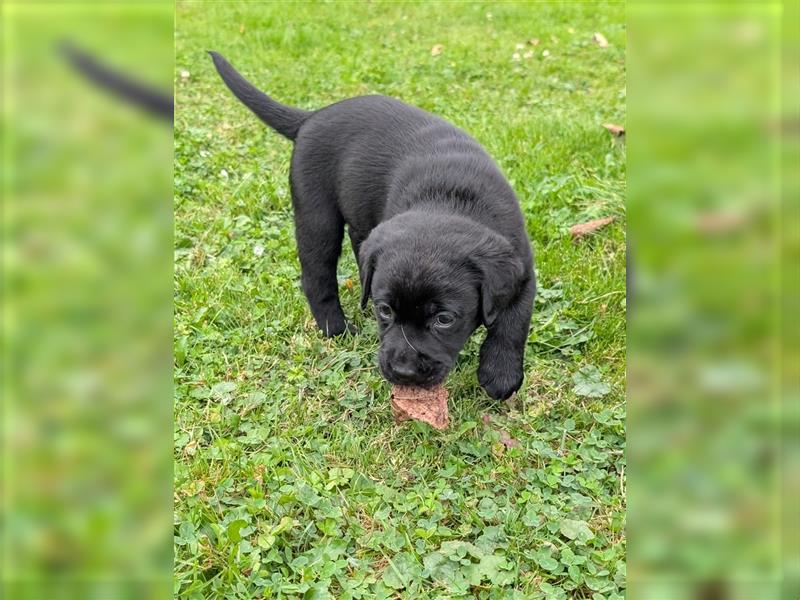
[
  {"x": 428, "y": 406},
  {"x": 222, "y": 128},
  {"x": 533, "y": 41},
  {"x": 190, "y": 449},
  {"x": 615, "y": 130},
  {"x": 437, "y": 49},
  {"x": 599, "y": 39},
  {"x": 715, "y": 223},
  {"x": 507, "y": 440},
  {"x": 582, "y": 229}
]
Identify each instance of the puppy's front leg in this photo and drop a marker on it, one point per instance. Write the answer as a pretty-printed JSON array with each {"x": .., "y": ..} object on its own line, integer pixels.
[
  {"x": 319, "y": 229},
  {"x": 500, "y": 371}
]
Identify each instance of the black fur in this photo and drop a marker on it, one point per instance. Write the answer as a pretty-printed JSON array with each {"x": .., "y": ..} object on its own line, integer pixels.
[{"x": 437, "y": 230}]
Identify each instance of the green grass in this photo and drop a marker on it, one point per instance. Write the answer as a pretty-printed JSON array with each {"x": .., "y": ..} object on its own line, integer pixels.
[{"x": 291, "y": 478}]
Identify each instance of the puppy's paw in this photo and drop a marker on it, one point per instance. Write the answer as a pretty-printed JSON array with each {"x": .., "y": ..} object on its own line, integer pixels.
[
  {"x": 337, "y": 327},
  {"x": 499, "y": 380}
]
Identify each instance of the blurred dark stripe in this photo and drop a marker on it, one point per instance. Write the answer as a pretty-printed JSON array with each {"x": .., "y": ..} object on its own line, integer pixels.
[
  {"x": 121, "y": 85},
  {"x": 86, "y": 300}
]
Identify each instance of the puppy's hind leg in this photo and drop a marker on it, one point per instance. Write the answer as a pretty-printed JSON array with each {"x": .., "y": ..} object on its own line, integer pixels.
[
  {"x": 500, "y": 371},
  {"x": 319, "y": 229},
  {"x": 355, "y": 242}
]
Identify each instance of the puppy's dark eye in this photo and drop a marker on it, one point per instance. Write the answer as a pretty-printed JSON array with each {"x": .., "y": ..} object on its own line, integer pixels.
[
  {"x": 444, "y": 320},
  {"x": 385, "y": 312}
]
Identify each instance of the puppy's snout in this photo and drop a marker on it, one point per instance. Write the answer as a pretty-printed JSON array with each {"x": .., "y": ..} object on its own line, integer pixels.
[{"x": 405, "y": 367}]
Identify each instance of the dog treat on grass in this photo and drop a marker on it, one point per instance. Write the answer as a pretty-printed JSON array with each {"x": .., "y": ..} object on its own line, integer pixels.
[{"x": 428, "y": 406}]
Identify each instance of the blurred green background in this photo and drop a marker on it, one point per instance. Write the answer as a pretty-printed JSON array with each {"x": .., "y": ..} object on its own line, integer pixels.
[
  {"x": 713, "y": 360},
  {"x": 86, "y": 275}
]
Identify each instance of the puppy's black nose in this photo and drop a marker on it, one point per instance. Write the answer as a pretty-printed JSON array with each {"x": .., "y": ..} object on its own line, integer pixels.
[{"x": 404, "y": 370}]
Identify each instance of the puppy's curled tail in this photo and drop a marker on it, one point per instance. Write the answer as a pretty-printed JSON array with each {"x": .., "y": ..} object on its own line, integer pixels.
[{"x": 286, "y": 120}]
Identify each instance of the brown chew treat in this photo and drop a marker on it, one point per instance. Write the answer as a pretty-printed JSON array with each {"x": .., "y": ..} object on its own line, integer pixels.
[{"x": 428, "y": 406}]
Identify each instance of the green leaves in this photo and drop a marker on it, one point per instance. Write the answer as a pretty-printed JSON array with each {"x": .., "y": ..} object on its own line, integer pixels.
[
  {"x": 553, "y": 329},
  {"x": 569, "y": 558},
  {"x": 339, "y": 477},
  {"x": 589, "y": 383},
  {"x": 497, "y": 570},
  {"x": 546, "y": 560},
  {"x": 552, "y": 592},
  {"x": 187, "y": 536},
  {"x": 223, "y": 389},
  {"x": 531, "y": 518},
  {"x": 234, "y": 530},
  {"x": 487, "y": 509},
  {"x": 576, "y": 530},
  {"x": 460, "y": 565},
  {"x": 402, "y": 570}
]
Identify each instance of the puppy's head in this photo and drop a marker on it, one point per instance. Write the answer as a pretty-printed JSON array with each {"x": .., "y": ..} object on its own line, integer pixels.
[{"x": 433, "y": 279}]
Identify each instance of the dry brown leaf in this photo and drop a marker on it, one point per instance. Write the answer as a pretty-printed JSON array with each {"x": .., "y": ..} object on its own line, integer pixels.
[
  {"x": 428, "y": 406},
  {"x": 190, "y": 449},
  {"x": 533, "y": 41},
  {"x": 615, "y": 130},
  {"x": 507, "y": 440},
  {"x": 720, "y": 222},
  {"x": 437, "y": 50},
  {"x": 600, "y": 40},
  {"x": 582, "y": 229}
]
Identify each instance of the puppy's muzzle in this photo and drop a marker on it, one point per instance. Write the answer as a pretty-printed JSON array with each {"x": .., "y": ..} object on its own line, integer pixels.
[{"x": 407, "y": 367}]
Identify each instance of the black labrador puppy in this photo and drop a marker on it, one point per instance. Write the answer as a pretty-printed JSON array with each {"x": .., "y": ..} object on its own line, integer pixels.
[{"x": 436, "y": 228}]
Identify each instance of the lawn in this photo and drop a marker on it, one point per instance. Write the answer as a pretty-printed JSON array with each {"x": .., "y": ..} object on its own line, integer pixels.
[{"x": 291, "y": 478}]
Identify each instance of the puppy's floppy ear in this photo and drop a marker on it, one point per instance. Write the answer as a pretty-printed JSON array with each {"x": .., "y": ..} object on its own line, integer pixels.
[
  {"x": 367, "y": 259},
  {"x": 501, "y": 273}
]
